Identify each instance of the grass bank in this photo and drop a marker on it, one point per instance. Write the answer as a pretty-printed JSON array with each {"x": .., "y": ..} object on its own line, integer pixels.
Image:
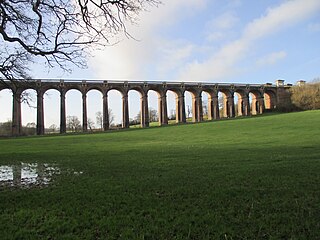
[{"x": 252, "y": 178}]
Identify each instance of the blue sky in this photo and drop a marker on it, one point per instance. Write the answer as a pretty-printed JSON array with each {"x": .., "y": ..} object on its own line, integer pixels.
[{"x": 241, "y": 41}]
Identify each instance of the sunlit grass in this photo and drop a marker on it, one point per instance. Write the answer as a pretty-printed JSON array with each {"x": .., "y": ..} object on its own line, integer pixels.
[{"x": 251, "y": 178}]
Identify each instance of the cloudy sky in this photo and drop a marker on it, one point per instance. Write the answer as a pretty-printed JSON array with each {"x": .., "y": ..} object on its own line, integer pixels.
[
  {"x": 240, "y": 41},
  {"x": 216, "y": 41}
]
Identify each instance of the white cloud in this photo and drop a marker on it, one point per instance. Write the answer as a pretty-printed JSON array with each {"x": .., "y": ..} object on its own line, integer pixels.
[
  {"x": 129, "y": 58},
  {"x": 271, "y": 58},
  {"x": 281, "y": 17},
  {"x": 223, "y": 63}
]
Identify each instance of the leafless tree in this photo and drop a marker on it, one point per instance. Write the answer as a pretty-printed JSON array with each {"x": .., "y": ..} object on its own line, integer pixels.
[
  {"x": 172, "y": 114},
  {"x": 153, "y": 115},
  {"x": 137, "y": 118},
  {"x": 90, "y": 124},
  {"x": 205, "y": 108},
  {"x": 99, "y": 118},
  {"x": 189, "y": 110},
  {"x": 73, "y": 123},
  {"x": 60, "y": 31}
]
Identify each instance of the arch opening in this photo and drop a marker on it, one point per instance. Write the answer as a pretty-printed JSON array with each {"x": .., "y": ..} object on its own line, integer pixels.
[
  {"x": 6, "y": 112},
  {"x": 94, "y": 110},
  {"x": 223, "y": 102},
  {"x": 74, "y": 111},
  {"x": 51, "y": 100},
  {"x": 135, "y": 108},
  {"x": 172, "y": 107},
  {"x": 205, "y": 108},
  {"x": 29, "y": 112},
  {"x": 115, "y": 109},
  {"x": 240, "y": 104},
  {"x": 255, "y": 103},
  {"x": 269, "y": 100},
  {"x": 189, "y": 106},
  {"x": 153, "y": 108}
]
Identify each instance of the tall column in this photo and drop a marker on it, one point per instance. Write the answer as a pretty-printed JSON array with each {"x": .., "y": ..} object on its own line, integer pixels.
[
  {"x": 261, "y": 105},
  {"x": 144, "y": 111},
  {"x": 40, "y": 113},
  {"x": 16, "y": 113},
  {"x": 125, "y": 111},
  {"x": 231, "y": 106},
  {"x": 105, "y": 112},
  {"x": 246, "y": 105},
  {"x": 210, "y": 108},
  {"x": 226, "y": 109},
  {"x": 240, "y": 105},
  {"x": 194, "y": 108},
  {"x": 216, "y": 110},
  {"x": 84, "y": 112},
  {"x": 63, "y": 111},
  {"x": 163, "y": 112},
  {"x": 160, "y": 109},
  {"x": 182, "y": 108},
  {"x": 254, "y": 110},
  {"x": 200, "y": 109},
  {"x": 177, "y": 108}
]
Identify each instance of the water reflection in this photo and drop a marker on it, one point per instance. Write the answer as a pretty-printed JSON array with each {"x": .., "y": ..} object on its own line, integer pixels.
[{"x": 27, "y": 174}]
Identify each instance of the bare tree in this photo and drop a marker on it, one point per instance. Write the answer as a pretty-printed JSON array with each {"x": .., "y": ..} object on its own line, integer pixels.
[
  {"x": 90, "y": 124},
  {"x": 189, "y": 110},
  {"x": 172, "y": 114},
  {"x": 60, "y": 31},
  {"x": 153, "y": 115},
  {"x": 205, "y": 108},
  {"x": 73, "y": 123},
  {"x": 137, "y": 118},
  {"x": 99, "y": 118}
]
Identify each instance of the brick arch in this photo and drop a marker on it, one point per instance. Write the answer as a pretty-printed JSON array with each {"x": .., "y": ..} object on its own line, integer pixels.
[
  {"x": 93, "y": 87},
  {"x": 257, "y": 102},
  {"x": 227, "y": 102},
  {"x": 241, "y": 105},
  {"x": 159, "y": 94},
  {"x": 46, "y": 98},
  {"x": 270, "y": 100},
  {"x": 213, "y": 104},
  {"x": 139, "y": 89}
]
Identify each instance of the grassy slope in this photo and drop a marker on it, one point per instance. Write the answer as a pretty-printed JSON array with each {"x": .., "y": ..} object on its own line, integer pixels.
[{"x": 254, "y": 178}]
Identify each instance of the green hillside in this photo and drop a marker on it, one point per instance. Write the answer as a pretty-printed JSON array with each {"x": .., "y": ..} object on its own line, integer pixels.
[{"x": 251, "y": 178}]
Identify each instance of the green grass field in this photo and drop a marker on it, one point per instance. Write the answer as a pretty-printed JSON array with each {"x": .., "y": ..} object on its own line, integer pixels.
[{"x": 251, "y": 178}]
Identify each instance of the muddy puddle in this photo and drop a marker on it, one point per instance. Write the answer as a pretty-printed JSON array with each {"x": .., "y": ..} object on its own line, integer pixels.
[{"x": 29, "y": 174}]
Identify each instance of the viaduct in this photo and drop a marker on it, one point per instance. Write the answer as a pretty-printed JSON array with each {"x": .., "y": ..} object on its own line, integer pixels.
[{"x": 264, "y": 96}]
